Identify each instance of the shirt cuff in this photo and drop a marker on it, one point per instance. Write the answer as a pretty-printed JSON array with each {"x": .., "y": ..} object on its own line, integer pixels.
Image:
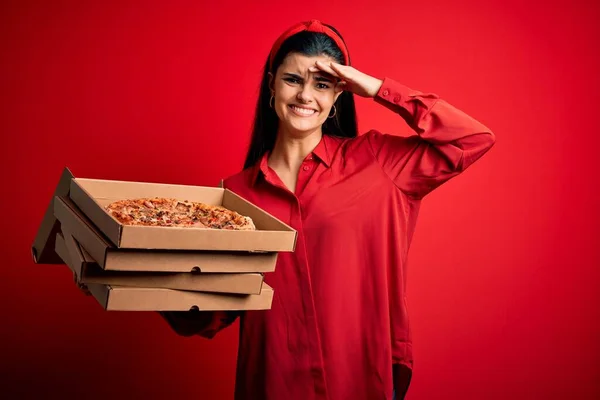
[{"x": 394, "y": 92}]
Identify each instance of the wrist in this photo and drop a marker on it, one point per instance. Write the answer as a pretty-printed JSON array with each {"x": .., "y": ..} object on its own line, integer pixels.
[{"x": 377, "y": 83}]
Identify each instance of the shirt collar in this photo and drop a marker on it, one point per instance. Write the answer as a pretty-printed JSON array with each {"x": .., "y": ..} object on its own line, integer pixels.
[{"x": 322, "y": 152}]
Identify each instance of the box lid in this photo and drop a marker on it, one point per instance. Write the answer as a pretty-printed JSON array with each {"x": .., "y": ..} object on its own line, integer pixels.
[{"x": 42, "y": 249}]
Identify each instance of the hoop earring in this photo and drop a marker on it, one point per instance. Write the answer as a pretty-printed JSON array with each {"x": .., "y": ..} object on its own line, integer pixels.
[
  {"x": 270, "y": 101},
  {"x": 334, "y": 112}
]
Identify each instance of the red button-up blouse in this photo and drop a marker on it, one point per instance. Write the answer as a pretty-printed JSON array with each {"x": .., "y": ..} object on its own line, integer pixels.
[{"x": 339, "y": 318}]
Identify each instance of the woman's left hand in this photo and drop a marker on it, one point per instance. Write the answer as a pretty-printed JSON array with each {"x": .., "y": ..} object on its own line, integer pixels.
[{"x": 352, "y": 79}]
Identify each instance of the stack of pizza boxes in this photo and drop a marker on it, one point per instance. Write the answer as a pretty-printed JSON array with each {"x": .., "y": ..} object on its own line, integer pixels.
[{"x": 150, "y": 268}]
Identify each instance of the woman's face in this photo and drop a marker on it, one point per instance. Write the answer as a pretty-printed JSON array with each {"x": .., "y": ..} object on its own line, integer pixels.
[{"x": 303, "y": 96}]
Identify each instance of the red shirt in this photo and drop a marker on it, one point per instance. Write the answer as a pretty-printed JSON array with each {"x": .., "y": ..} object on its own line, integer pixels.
[{"x": 339, "y": 318}]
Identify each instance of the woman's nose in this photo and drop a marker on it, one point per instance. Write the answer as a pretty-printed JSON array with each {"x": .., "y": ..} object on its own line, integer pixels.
[{"x": 304, "y": 95}]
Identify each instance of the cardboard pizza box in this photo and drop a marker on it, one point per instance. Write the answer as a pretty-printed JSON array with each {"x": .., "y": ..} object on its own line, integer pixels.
[
  {"x": 42, "y": 249},
  {"x": 118, "y": 298},
  {"x": 92, "y": 195},
  {"x": 65, "y": 256},
  {"x": 111, "y": 258},
  {"x": 89, "y": 272}
]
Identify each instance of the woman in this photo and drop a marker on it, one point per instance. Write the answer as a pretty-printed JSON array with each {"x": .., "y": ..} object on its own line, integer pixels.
[{"x": 338, "y": 327}]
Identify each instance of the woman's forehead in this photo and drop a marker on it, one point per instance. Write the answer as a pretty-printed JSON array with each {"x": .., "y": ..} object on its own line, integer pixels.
[{"x": 299, "y": 63}]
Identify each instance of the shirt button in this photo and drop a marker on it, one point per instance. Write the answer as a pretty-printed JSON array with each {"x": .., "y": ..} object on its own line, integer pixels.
[
  {"x": 386, "y": 92},
  {"x": 396, "y": 99},
  {"x": 306, "y": 168}
]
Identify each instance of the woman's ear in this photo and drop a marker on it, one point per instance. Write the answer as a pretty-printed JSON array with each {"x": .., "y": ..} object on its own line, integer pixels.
[
  {"x": 336, "y": 95},
  {"x": 271, "y": 82}
]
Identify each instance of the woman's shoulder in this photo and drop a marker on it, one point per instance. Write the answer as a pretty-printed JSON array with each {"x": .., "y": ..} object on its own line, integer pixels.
[
  {"x": 362, "y": 141},
  {"x": 345, "y": 141}
]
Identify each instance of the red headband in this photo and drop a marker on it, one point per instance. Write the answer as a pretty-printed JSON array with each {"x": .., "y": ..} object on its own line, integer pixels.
[{"x": 309, "y": 26}]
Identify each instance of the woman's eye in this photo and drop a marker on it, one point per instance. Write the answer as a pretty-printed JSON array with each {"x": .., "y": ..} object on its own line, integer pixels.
[
  {"x": 322, "y": 86},
  {"x": 291, "y": 80}
]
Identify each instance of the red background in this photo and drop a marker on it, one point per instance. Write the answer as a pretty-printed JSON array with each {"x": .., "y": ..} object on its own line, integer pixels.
[{"x": 504, "y": 269}]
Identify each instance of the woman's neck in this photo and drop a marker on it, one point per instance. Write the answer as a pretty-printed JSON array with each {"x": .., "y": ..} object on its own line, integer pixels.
[{"x": 290, "y": 151}]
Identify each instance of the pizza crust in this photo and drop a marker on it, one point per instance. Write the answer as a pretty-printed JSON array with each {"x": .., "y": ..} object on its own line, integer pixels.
[{"x": 170, "y": 212}]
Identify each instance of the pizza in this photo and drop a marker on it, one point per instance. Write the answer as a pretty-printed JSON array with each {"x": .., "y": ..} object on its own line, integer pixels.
[{"x": 170, "y": 212}]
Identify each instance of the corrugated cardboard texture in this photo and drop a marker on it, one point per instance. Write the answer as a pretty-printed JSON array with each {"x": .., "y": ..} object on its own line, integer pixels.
[
  {"x": 42, "y": 249},
  {"x": 109, "y": 257},
  {"x": 113, "y": 298},
  {"x": 92, "y": 195}
]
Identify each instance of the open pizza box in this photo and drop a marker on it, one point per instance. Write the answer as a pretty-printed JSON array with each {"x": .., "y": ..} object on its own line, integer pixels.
[
  {"x": 92, "y": 195},
  {"x": 110, "y": 258},
  {"x": 78, "y": 204},
  {"x": 113, "y": 297},
  {"x": 88, "y": 272}
]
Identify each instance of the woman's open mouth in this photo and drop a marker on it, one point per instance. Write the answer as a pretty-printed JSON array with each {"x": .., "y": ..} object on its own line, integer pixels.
[{"x": 302, "y": 112}]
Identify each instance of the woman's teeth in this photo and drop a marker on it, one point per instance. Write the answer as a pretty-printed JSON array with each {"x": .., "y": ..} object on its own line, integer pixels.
[{"x": 302, "y": 111}]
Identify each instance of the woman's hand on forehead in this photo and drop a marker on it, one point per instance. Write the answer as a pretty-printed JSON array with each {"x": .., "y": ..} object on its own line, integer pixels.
[
  {"x": 335, "y": 79},
  {"x": 349, "y": 78},
  {"x": 325, "y": 74}
]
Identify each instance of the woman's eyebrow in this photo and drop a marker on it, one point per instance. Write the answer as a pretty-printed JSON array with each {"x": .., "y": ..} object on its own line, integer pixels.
[
  {"x": 293, "y": 75},
  {"x": 323, "y": 78},
  {"x": 318, "y": 77}
]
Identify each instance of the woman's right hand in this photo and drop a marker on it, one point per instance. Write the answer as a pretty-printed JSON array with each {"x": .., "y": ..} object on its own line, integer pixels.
[
  {"x": 352, "y": 79},
  {"x": 188, "y": 323}
]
